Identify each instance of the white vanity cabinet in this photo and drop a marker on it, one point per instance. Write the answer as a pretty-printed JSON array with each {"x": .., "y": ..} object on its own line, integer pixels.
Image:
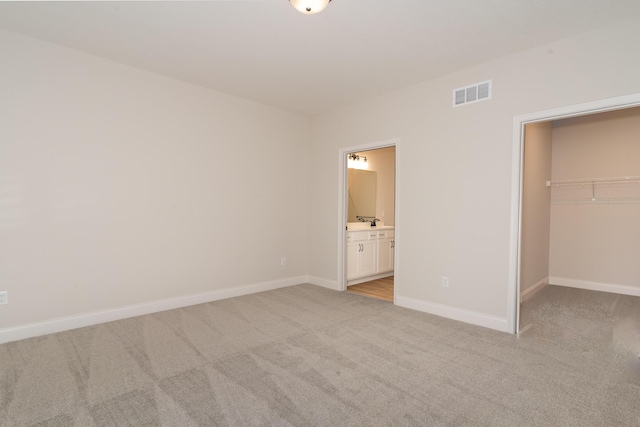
[
  {"x": 386, "y": 248},
  {"x": 369, "y": 253},
  {"x": 361, "y": 254}
]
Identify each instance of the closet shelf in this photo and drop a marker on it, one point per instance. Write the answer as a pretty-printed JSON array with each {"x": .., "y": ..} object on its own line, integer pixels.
[
  {"x": 596, "y": 201},
  {"x": 591, "y": 181},
  {"x": 621, "y": 189}
]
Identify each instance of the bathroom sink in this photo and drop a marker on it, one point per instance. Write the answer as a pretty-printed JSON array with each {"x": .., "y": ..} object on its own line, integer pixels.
[{"x": 358, "y": 225}]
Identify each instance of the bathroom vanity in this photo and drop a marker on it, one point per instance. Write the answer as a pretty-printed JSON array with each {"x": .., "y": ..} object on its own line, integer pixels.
[{"x": 370, "y": 253}]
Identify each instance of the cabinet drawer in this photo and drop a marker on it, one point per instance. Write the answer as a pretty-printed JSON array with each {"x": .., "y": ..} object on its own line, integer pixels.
[
  {"x": 358, "y": 236},
  {"x": 385, "y": 234}
]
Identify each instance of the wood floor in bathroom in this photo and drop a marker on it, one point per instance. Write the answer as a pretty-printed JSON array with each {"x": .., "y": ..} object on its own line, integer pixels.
[{"x": 379, "y": 288}]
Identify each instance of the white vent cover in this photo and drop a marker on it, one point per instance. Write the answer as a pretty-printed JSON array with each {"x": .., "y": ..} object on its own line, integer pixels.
[{"x": 474, "y": 93}]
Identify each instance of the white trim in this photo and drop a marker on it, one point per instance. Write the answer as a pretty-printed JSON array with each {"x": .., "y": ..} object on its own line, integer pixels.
[
  {"x": 342, "y": 219},
  {"x": 534, "y": 289},
  {"x": 342, "y": 202},
  {"x": 325, "y": 283},
  {"x": 397, "y": 224},
  {"x": 519, "y": 122},
  {"x": 525, "y": 329},
  {"x": 474, "y": 318},
  {"x": 595, "y": 286},
  {"x": 513, "y": 289},
  {"x": 88, "y": 319}
]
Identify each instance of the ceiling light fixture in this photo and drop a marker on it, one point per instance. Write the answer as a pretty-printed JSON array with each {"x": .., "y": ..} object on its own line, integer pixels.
[{"x": 309, "y": 7}]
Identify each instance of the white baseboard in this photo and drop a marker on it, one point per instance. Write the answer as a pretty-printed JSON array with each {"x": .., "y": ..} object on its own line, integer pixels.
[
  {"x": 595, "y": 286},
  {"x": 534, "y": 289},
  {"x": 454, "y": 313},
  {"x": 325, "y": 283},
  {"x": 88, "y": 319}
]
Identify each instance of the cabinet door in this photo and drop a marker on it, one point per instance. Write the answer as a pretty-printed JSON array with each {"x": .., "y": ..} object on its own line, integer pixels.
[
  {"x": 368, "y": 258},
  {"x": 385, "y": 255},
  {"x": 353, "y": 250}
]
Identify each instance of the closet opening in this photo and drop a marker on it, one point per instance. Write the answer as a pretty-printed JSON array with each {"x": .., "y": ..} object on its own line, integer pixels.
[{"x": 576, "y": 193}]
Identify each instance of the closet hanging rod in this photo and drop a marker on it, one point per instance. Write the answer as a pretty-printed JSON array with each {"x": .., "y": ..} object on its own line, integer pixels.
[{"x": 583, "y": 181}]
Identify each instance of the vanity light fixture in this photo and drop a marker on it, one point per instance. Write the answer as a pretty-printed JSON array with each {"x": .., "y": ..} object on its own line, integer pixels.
[
  {"x": 309, "y": 7},
  {"x": 356, "y": 157},
  {"x": 356, "y": 161}
]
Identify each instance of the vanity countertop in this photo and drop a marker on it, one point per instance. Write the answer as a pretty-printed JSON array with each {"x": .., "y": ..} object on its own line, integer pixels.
[{"x": 361, "y": 226}]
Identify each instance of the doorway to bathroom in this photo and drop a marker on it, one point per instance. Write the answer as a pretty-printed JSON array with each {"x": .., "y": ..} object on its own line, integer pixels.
[{"x": 368, "y": 222}]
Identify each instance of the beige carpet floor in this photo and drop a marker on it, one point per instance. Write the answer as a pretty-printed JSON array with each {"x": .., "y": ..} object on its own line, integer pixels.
[{"x": 308, "y": 356}]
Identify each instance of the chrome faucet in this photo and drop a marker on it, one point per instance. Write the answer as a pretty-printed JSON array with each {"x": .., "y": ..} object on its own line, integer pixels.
[{"x": 368, "y": 219}]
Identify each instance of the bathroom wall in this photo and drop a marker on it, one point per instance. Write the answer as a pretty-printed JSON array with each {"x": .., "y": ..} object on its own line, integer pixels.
[{"x": 383, "y": 161}]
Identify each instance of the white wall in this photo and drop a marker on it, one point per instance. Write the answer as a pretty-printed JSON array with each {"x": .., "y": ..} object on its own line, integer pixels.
[
  {"x": 120, "y": 187},
  {"x": 597, "y": 245},
  {"x": 536, "y": 205},
  {"x": 455, "y": 166}
]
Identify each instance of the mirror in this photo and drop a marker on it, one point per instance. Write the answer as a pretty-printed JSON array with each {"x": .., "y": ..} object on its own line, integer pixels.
[{"x": 362, "y": 194}]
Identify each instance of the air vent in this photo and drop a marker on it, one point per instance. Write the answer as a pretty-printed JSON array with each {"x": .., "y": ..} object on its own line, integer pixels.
[{"x": 474, "y": 93}]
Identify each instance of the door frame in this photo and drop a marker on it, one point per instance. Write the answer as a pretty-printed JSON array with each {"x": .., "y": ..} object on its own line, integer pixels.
[
  {"x": 343, "y": 205},
  {"x": 519, "y": 122}
]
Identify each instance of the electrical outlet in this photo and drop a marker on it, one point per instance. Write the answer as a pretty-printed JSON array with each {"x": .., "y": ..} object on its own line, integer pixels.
[
  {"x": 4, "y": 297},
  {"x": 283, "y": 261},
  {"x": 445, "y": 281}
]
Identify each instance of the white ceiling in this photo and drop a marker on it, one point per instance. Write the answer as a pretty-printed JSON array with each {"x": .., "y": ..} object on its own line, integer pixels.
[{"x": 266, "y": 51}]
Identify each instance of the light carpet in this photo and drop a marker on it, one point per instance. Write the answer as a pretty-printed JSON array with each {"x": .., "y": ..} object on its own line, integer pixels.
[{"x": 308, "y": 356}]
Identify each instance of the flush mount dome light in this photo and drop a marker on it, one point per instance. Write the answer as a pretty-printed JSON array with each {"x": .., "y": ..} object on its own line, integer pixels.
[{"x": 309, "y": 7}]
